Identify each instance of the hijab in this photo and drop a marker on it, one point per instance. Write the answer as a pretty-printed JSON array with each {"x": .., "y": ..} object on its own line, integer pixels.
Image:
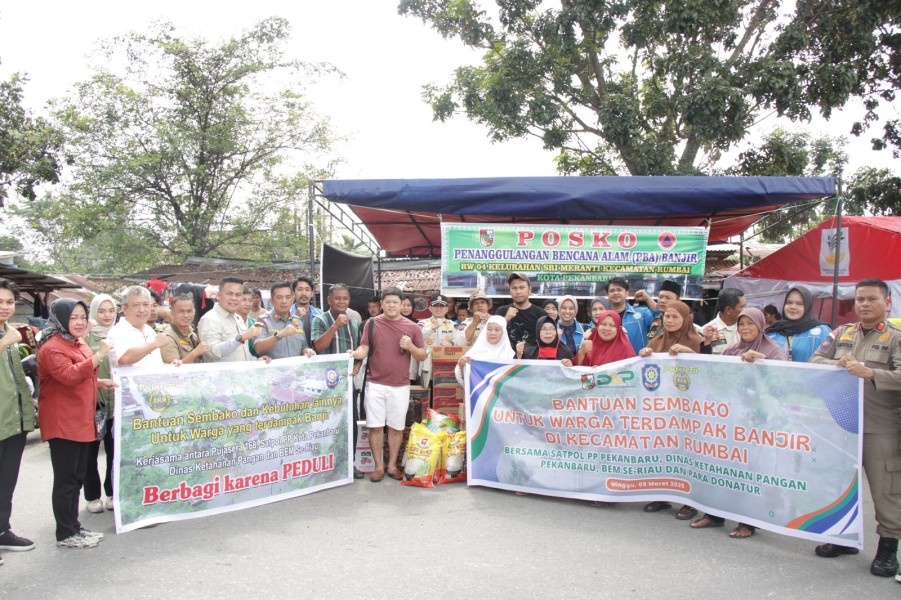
[
  {"x": 603, "y": 352},
  {"x": 568, "y": 331},
  {"x": 483, "y": 350},
  {"x": 101, "y": 331},
  {"x": 805, "y": 323},
  {"x": 554, "y": 302},
  {"x": 550, "y": 351},
  {"x": 58, "y": 322},
  {"x": 685, "y": 336},
  {"x": 761, "y": 344},
  {"x": 409, "y": 317},
  {"x": 603, "y": 300}
]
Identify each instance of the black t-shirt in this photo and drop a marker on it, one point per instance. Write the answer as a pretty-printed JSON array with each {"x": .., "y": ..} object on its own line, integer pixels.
[{"x": 522, "y": 327}]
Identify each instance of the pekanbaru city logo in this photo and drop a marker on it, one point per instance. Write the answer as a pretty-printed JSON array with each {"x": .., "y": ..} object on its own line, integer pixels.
[{"x": 486, "y": 237}]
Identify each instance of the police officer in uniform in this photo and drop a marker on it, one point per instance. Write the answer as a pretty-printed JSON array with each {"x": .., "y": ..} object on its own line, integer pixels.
[{"x": 871, "y": 350}]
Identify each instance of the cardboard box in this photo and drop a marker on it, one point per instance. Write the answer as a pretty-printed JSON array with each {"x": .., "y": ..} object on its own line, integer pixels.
[
  {"x": 444, "y": 361},
  {"x": 448, "y": 398},
  {"x": 448, "y": 353}
]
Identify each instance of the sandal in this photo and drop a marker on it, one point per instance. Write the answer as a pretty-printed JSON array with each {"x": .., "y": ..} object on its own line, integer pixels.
[
  {"x": 656, "y": 506},
  {"x": 742, "y": 532},
  {"x": 686, "y": 513},
  {"x": 705, "y": 522},
  {"x": 521, "y": 493},
  {"x": 377, "y": 476},
  {"x": 396, "y": 475}
]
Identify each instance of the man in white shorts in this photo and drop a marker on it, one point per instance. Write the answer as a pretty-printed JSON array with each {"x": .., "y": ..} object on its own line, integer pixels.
[{"x": 394, "y": 341}]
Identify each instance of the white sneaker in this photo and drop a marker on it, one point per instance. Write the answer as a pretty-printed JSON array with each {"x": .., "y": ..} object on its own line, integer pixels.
[
  {"x": 94, "y": 535},
  {"x": 78, "y": 541},
  {"x": 95, "y": 506},
  {"x": 108, "y": 503}
]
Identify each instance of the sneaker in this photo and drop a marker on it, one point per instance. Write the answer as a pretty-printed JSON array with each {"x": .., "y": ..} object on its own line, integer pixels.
[
  {"x": 108, "y": 503},
  {"x": 833, "y": 550},
  {"x": 12, "y": 542},
  {"x": 96, "y": 535},
  {"x": 95, "y": 506},
  {"x": 78, "y": 541}
]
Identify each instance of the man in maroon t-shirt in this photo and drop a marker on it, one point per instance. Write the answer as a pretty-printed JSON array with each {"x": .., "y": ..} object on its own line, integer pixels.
[{"x": 395, "y": 340}]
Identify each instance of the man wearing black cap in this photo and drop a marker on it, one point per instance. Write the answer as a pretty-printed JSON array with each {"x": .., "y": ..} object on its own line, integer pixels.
[
  {"x": 436, "y": 331},
  {"x": 522, "y": 316},
  {"x": 670, "y": 291}
]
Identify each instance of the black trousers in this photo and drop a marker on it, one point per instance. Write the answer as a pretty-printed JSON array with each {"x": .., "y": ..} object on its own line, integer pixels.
[
  {"x": 70, "y": 461},
  {"x": 92, "y": 477},
  {"x": 11, "y": 450}
]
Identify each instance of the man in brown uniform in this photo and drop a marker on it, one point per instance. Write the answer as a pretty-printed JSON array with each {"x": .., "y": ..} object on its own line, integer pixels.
[
  {"x": 871, "y": 350},
  {"x": 182, "y": 343}
]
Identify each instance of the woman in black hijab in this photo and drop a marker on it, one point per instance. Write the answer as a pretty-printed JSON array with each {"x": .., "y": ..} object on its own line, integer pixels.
[{"x": 547, "y": 345}]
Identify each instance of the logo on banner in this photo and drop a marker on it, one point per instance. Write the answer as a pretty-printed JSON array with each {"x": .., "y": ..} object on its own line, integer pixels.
[
  {"x": 621, "y": 379},
  {"x": 486, "y": 237},
  {"x": 650, "y": 377},
  {"x": 833, "y": 241},
  {"x": 667, "y": 240},
  {"x": 682, "y": 381},
  {"x": 159, "y": 400},
  {"x": 331, "y": 377}
]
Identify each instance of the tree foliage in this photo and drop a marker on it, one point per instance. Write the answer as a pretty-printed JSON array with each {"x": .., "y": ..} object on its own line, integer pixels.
[
  {"x": 182, "y": 147},
  {"x": 656, "y": 87},
  {"x": 29, "y": 146}
]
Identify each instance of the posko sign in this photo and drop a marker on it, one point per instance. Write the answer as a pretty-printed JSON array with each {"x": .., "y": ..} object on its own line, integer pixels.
[{"x": 569, "y": 259}]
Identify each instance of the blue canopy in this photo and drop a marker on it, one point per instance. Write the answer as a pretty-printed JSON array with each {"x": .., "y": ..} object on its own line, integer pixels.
[{"x": 403, "y": 214}]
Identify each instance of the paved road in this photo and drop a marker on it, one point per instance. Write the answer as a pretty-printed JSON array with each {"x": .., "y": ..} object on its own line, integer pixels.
[{"x": 386, "y": 541}]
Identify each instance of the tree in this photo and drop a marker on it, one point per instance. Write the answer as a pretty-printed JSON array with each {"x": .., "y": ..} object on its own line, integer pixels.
[
  {"x": 29, "y": 146},
  {"x": 181, "y": 148},
  {"x": 649, "y": 87},
  {"x": 792, "y": 154}
]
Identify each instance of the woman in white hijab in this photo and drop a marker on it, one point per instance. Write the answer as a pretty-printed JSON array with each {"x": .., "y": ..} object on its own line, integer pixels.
[{"x": 491, "y": 344}]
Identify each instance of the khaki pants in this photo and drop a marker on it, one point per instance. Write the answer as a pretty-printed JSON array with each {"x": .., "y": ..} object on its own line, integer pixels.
[{"x": 882, "y": 464}]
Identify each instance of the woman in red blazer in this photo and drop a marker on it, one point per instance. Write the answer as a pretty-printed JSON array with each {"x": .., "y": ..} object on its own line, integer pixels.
[{"x": 67, "y": 371}]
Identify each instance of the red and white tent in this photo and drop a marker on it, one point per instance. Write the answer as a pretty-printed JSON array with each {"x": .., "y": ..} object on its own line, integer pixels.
[{"x": 868, "y": 247}]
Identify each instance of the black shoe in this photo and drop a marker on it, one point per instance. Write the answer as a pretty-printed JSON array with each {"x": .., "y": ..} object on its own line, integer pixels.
[
  {"x": 833, "y": 550},
  {"x": 656, "y": 506},
  {"x": 10, "y": 541},
  {"x": 358, "y": 474},
  {"x": 886, "y": 562}
]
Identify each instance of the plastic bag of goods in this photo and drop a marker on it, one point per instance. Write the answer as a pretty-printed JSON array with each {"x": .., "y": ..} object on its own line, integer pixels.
[
  {"x": 423, "y": 453},
  {"x": 453, "y": 459},
  {"x": 438, "y": 421}
]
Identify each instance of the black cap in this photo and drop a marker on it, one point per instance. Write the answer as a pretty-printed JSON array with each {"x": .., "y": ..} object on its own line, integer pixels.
[
  {"x": 671, "y": 286},
  {"x": 439, "y": 299}
]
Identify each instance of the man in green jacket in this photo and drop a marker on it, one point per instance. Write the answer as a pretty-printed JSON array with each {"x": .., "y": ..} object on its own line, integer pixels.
[{"x": 16, "y": 416}]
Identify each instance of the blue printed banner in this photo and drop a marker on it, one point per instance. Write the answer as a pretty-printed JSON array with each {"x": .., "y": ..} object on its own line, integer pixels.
[{"x": 771, "y": 444}]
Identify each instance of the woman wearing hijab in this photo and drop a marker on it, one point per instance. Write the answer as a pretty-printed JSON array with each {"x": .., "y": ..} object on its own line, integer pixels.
[
  {"x": 679, "y": 337},
  {"x": 798, "y": 332},
  {"x": 67, "y": 396},
  {"x": 571, "y": 331},
  {"x": 547, "y": 344},
  {"x": 406, "y": 308},
  {"x": 551, "y": 308},
  {"x": 606, "y": 343},
  {"x": 102, "y": 317},
  {"x": 492, "y": 344},
  {"x": 752, "y": 345}
]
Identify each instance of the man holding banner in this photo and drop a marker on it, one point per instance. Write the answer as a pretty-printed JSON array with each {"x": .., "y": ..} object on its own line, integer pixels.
[{"x": 871, "y": 350}]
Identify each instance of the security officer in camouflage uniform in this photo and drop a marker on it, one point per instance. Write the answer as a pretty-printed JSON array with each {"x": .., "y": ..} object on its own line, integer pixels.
[{"x": 871, "y": 350}]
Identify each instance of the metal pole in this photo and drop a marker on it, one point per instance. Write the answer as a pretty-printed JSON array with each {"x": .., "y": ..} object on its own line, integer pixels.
[
  {"x": 310, "y": 229},
  {"x": 741, "y": 251},
  {"x": 838, "y": 247}
]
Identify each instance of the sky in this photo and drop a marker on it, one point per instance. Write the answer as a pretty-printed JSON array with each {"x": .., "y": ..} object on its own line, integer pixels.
[{"x": 377, "y": 107}]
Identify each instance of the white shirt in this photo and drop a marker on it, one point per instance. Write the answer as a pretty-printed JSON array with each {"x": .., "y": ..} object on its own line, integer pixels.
[
  {"x": 729, "y": 332},
  {"x": 124, "y": 336}
]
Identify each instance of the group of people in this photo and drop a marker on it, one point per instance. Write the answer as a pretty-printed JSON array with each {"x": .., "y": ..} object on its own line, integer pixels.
[{"x": 80, "y": 344}]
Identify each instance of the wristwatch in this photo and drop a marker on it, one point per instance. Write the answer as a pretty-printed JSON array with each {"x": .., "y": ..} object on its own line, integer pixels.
[{"x": 239, "y": 338}]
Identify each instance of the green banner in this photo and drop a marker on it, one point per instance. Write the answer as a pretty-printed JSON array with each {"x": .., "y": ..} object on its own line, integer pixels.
[
  {"x": 570, "y": 259},
  {"x": 196, "y": 440}
]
